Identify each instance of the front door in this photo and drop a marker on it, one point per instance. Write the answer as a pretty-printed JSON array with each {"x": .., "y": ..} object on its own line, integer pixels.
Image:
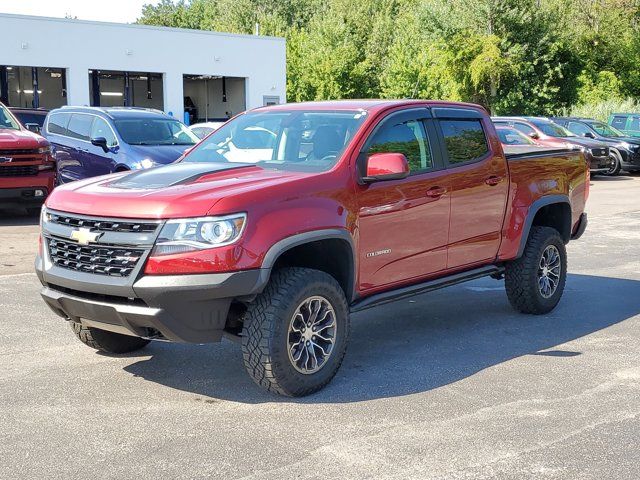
[{"x": 403, "y": 224}]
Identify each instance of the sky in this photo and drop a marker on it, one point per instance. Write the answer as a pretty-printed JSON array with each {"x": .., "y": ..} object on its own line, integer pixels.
[{"x": 121, "y": 11}]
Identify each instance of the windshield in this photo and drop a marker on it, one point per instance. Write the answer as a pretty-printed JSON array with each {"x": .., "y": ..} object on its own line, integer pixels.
[
  {"x": 285, "y": 140},
  {"x": 553, "y": 130},
  {"x": 7, "y": 121},
  {"x": 154, "y": 131},
  {"x": 606, "y": 130},
  {"x": 511, "y": 136}
]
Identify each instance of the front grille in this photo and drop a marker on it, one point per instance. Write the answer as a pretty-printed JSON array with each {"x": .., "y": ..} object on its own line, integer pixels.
[
  {"x": 103, "y": 225},
  {"x": 18, "y": 170},
  {"x": 4, "y": 153},
  {"x": 103, "y": 260},
  {"x": 600, "y": 152}
]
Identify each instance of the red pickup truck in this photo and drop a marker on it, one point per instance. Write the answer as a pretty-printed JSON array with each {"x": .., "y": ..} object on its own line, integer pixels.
[
  {"x": 277, "y": 226},
  {"x": 27, "y": 168}
]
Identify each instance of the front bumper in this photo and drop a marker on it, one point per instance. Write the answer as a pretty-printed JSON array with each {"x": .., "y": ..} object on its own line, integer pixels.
[
  {"x": 601, "y": 164},
  {"x": 180, "y": 308},
  {"x": 631, "y": 161},
  {"x": 25, "y": 197}
]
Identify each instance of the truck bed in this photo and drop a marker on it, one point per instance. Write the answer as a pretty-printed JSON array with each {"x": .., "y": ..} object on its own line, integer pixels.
[{"x": 517, "y": 152}]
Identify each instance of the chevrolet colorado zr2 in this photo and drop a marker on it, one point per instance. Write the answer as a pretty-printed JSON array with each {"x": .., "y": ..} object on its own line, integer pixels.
[{"x": 277, "y": 226}]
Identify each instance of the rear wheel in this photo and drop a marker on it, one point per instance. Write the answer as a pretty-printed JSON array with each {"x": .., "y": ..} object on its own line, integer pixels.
[
  {"x": 535, "y": 281},
  {"x": 107, "y": 342},
  {"x": 295, "y": 333}
]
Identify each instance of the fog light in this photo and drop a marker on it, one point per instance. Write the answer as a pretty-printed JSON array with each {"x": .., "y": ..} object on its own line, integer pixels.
[{"x": 38, "y": 193}]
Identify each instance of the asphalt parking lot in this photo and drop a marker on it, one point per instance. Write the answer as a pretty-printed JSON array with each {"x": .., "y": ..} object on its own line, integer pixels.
[{"x": 452, "y": 384}]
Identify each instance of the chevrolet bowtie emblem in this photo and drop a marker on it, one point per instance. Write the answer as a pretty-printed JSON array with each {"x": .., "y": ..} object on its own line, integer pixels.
[{"x": 84, "y": 236}]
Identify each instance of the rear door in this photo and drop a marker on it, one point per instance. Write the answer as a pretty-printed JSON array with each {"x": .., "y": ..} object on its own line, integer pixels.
[
  {"x": 403, "y": 224},
  {"x": 479, "y": 185},
  {"x": 58, "y": 135}
]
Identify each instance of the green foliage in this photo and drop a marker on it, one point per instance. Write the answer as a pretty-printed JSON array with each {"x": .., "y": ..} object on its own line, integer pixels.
[
  {"x": 603, "y": 109},
  {"x": 512, "y": 56}
]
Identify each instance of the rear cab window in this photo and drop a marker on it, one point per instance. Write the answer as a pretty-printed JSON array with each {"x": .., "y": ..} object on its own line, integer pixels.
[
  {"x": 465, "y": 140},
  {"x": 619, "y": 122},
  {"x": 634, "y": 124}
]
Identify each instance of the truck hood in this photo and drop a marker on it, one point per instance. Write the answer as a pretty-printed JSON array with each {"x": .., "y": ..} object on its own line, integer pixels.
[
  {"x": 160, "y": 154},
  {"x": 179, "y": 190},
  {"x": 20, "y": 139}
]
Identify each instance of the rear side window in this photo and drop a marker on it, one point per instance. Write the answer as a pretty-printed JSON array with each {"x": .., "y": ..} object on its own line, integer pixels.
[
  {"x": 80, "y": 126},
  {"x": 635, "y": 123},
  {"x": 407, "y": 138},
  {"x": 58, "y": 122},
  {"x": 619, "y": 122},
  {"x": 464, "y": 139}
]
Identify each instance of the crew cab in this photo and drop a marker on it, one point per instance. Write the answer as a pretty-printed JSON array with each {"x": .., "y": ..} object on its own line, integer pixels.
[
  {"x": 546, "y": 132},
  {"x": 27, "y": 169},
  {"x": 341, "y": 207}
]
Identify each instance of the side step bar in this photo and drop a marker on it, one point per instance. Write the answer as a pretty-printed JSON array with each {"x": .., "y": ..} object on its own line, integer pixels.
[{"x": 406, "y": 292}]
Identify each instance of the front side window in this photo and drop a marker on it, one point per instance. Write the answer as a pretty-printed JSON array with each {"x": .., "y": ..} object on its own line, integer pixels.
[
  {"x": 553, "y": 130},
  {"x": 605, "y": 130},
  {"x": 80, "y": 126},
  {"x": 7, "y": 121},
  {"x": 407, "y": 138},
  {"x": 58, "y": 122},
  {"x": 524, "y": 128},
  {"x": 100, "y": 128},
  {"x": 154, "y": 131},
  {"x": 283, "y": 140},
  {"x": 619, "y": 122},
  {"x": 578, "y": 128},
  {"x": 464, "y": 139}
]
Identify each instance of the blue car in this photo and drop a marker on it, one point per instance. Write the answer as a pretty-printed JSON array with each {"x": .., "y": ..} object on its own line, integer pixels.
[{"x": 92, "y": 141}]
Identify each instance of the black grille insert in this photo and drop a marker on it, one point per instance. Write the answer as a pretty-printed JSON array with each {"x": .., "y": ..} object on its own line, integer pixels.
[
  {"x": 103, "y": 260},
  {"x": 103, "y": 225},
  {"x": 18, "y": 152},
  {"x": 18, "y": 170}
]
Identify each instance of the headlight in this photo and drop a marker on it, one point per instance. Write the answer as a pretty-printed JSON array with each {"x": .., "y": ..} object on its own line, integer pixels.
[
  {"x": 190, "y": 234},
  {"x": 147, "y": 163},
  {"x": 46, "y": 149},
  {"x": 44, "y": 216}
]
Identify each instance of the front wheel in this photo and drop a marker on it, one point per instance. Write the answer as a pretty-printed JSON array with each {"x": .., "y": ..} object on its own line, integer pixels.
[
  {"x": 616, "y": 167},
  {"x": 295, "y": 332},
  {"x": 535, "y": 281}
]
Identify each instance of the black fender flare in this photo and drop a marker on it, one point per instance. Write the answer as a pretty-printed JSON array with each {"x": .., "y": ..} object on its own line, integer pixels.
[
  {"x": 282, "y": 246},
  {"x": 531, "y": 214}
]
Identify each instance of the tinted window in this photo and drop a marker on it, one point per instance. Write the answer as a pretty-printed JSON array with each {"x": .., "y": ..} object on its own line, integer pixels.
[
  {"x": 80, "y": 126},
  {"x": 524, "y": 128},
  {"x": 58, "y": 123},
  {"x": 635, "y": 123},
  {"x": 605, "y": 130},
  {"x": 578, "y": 128},
  {"x": 407, "y": 138},
  {"x": 511, "y": 136},
  {"x": 464, "y": 139},
  {"x": 552, "y": 129},
  {"x": 100, "y": 128},
  {"x": 619, "y": 122}
]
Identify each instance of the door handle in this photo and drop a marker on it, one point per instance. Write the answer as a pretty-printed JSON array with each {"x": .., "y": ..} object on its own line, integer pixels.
[
  {"x": 493, "y": 180},
  {"x": 435, "y": 192}
]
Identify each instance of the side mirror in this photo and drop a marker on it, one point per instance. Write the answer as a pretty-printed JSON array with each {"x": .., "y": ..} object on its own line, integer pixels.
[
  {"x": 100, "y": 142},
  {"x": 588, "y": 135},
  {"x": 534, "y": 135},
  {"x": 32, "y": 127},
  {"x": 386, "y": 166}
]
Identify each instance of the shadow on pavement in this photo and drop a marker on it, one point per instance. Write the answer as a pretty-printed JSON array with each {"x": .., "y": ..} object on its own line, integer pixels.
[
  {"x": 18, "y": 217},
  {"x": 410, "y": 347}
]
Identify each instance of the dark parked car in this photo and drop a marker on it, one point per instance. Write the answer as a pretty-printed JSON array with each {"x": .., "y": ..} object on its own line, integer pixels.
[
  {"x": 31, "y": 118},
  {"x": 626, "y": 149},
  {"x": 92, "y": 141},
  {"x": 550, "y": 134},
  {"x": 627, "y": 123}
]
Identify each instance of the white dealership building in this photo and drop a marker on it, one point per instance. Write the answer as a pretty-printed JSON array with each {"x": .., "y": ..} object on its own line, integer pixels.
[{"x": 50, "y": 62}]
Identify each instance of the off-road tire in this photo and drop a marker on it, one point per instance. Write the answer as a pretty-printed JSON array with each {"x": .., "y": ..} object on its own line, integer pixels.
[
  {"x": 265, "y": 331},
  {"x": 107, "y": 342},
  {"x": 521, "y": 275}
]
